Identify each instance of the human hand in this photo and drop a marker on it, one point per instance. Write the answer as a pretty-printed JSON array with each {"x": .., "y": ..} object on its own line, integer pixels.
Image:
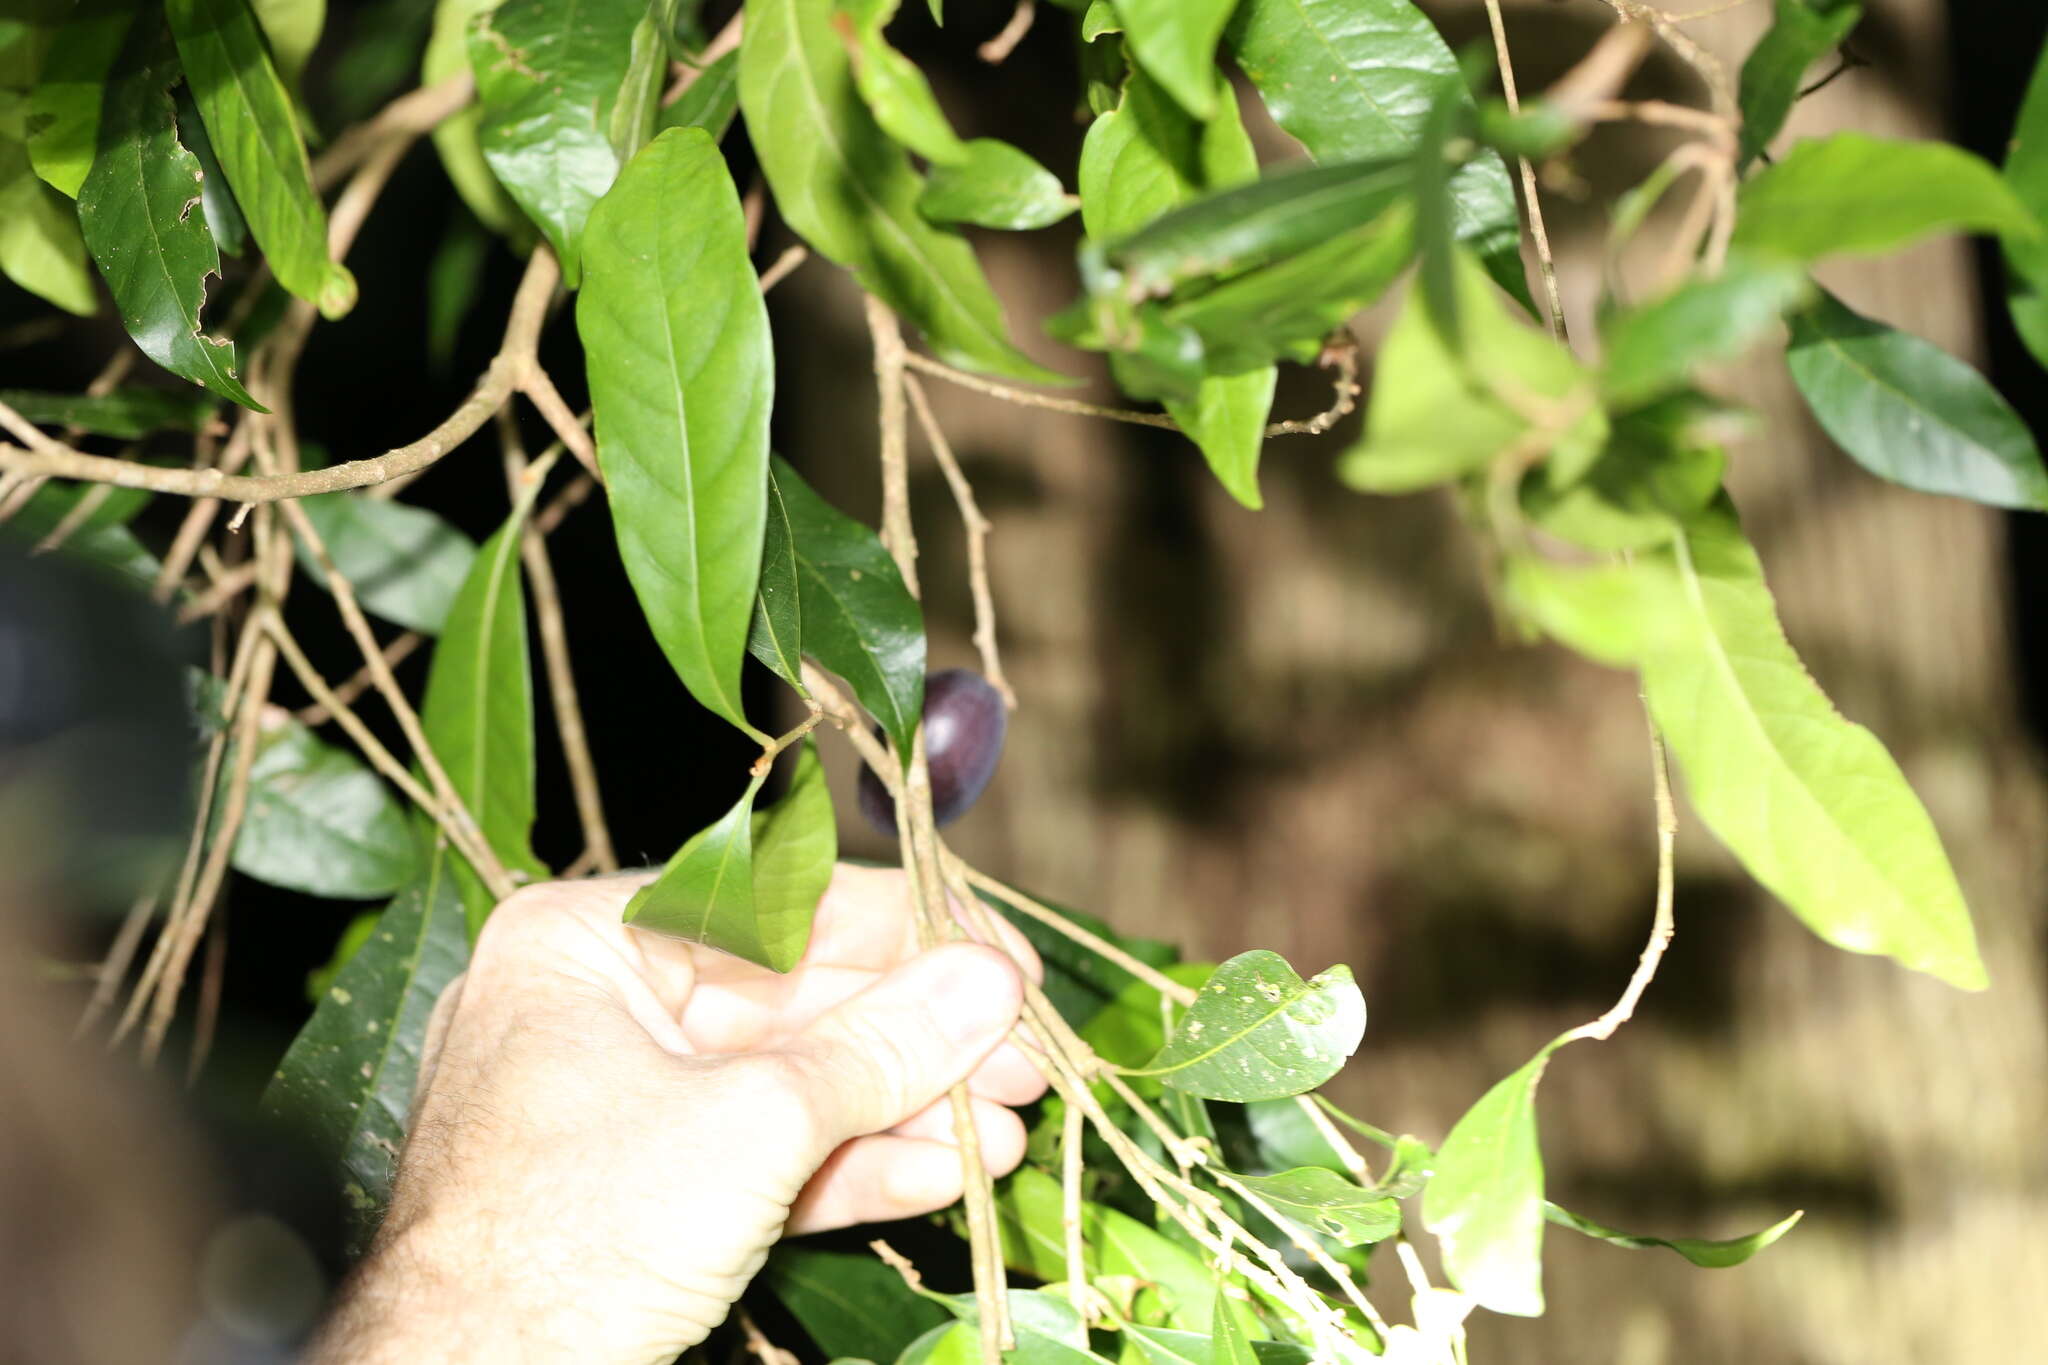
[{"x": 614, "y": 1127}]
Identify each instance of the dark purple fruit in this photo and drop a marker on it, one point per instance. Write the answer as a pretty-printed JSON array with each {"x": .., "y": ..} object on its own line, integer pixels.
[{"x": 964, "y": 721}]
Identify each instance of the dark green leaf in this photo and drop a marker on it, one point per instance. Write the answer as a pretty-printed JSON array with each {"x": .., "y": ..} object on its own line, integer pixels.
[
  {"x": 1257, "y": 1031},
  {"x": 681, "y": 378},
  {"x": 1811, "y": 804},
  {"x": 346, "y": 947},
  {"x": 348, "y": 1078},
  {"x": 1853, "y": 195},
  {"x": 478, "y": 712},
  {"x": 995, "y": 186},
  {"x": 1131, "y": 1028},
  {"x": 775, "y": 636},
  {"x": 136, "y": 209},
  {"x": 795, "y": 846},
  {"x": 858, "y": 618},
  {"x": 1655, "y": 348},
  {"x": 1352, "y": 80},
  {"x": 455, "y": 137},
  {"x": 255, "y": 134},
  {"x": 64, "y": 108},
  {"x": 566, "y": 94},
  {"x": 849, "y": 1305},
  {"x": 1328, "y": 1203},
  {"x": 405, "y": 563},
  {"x": 1908, "y": 411},
  {"x": 851, "y": 193},
  {"x": 223, "y": 214},
  {"x": 1175, "y": 42},
  {"x": 128, "y": 414},
  {"x": 319, "y": 821},
  {"x": 1801, "y": 33},
  {"x": 103, "y": 538},
  {"x": 708, "y": 102},
  {"x": 1701, "y": 1252},
  {"x": 1485, "y": 1204},
  {"x": 2026, "y": 170},
  {"x": 706, "y": 893}
]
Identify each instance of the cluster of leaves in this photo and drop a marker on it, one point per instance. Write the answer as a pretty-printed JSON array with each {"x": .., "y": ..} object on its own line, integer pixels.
[{"x": 177, "y": 130}]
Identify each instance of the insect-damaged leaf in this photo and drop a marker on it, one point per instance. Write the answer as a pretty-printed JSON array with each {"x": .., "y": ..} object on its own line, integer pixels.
[{"x": 1257, "y": 1031}]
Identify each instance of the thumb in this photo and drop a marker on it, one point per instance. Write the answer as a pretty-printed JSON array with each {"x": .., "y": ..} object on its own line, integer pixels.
[{"x": 882, "y": 1055}]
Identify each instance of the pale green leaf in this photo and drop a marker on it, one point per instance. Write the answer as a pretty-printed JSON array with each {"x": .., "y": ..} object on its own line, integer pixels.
[
  {"x": 1709, "y": 1255},
  {"x": 405, "y": 563},
  {"x": 706, "y": 892},
  {"x": 795, "y": 847},
  {"x": 64, "y": 108},
  {"x": 1257, "y": 1031},
  {"x": 1656, "y": 346},
  {"x": 1175, "y": 42},
  {"x": 293, "y": 28},
  {"x": 40, "y": 246},
  {"x": 1328, "y": 1203},
  {"x": 455, "y": 137},
  {"x": 995, "y": 186},
  {"x": 1485, "y": 1203}
]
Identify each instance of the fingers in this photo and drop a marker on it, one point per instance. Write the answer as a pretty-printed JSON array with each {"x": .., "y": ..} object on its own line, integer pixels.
[
  {"x": 878, "y": 1057},
  {"x": 902, "y": 1175}
]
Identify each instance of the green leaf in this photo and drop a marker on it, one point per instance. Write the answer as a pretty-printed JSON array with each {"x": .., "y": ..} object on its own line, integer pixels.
[
  {"x": 64, "y": 108},
  {"x": 1853, "y": 195},
  {"x": 1131, "y": 1028},
  {"x": 709, "y": 102},
  {"x": 1801, "y": 33},
  {"x": 405, "y": 563},
  {"x": 319, "y": 821},
  {"x": 1099, "y": 18},
  {"x": 851, "y": 193},
  {"x": 255, "y": 133},
  {"x": 948, "y": 1344},
  {"x": 346, "y": 947},
  {"x": 1257, "y": 1031},
  {"x": 478, "y": 712},
  {"x": 136, "y": 209},
  {"x": 1436, "y": 413},
  {"x": 1485, "y": 1203},
  {"x": 1353, "y": 80},
  {"x": 682, "y": 377},
  {"x": 2026, "y": 170},
  {"x": 40, "y": 246},
  {"x": 995, "y": 186},
  {"x": 348, "y": 1077},
  {"x": 102, "y": 539},
  {"x": 858, "y": 619},
  {"x": 849, "y": 1305},
  {"x": 1227, "y": 421},
  {"x": 1652, "y": 476},
  {"x": 565, "y": 94},
  {"x": 1654, "y": 348},
  {"x": 1175, "y": 42},
  {"x": 1910, "y": 412},
  {"x": 128, "y": 414},
  {"x": 1165, "y": 1346},
  {"x": 795, "y": 846},
  {"x": 1181, "y": 1281},
  {"x": 1079, "y": 983},
  {"x": 1231, "y": 1346},
  {"x": 1328, "y": 1203},
  {"x": 706, "y": 892},
  {"x": 1701, "y": 1252},
  {"x": 223, "y": 215},
  {"x": 455, "y": 137},
  {"x": 775, "y": 636},
  {"x": 293, "y": 28},
  {"x": 898, "y": 95},
  {"x": 1811, "y": 804}
]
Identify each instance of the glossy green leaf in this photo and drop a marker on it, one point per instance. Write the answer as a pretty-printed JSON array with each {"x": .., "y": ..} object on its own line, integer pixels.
[
  {"x": 1485, "y": 1203},
  {"x": 565, "y": 93},
  {"x": 858, "y": 618},
  {"x": 1810, "y": 803},
  {"x": 1328, "y": 1203},
  {"x": 1656, "y": 347},
  {"x": 775, "y": 636},
  {"x": 896, "y": 92},
  {"x": 223, "y": 215},
  {"x": 995, "y": 186},
  {"x": 682, "y": 376},
  {"x": 455, "y": 137},
  {"x": 1801, "y": 33},
  {"x": 1855, "y": 195},
  {"x": 346, "y": 947},
  {"x": 405, "y": 563},
  {"x": 293, "y": 30},
  {"x": 1352, "y": 80},
  {"x": 136, "y": 209},
  {"x": 795, "y": 846},
  {"x": 64, "y": 108},
  {"x": 254, "y": 130},
  {"x": 1257, "y": 1031},
  {"x": 319, "y": 821},
  {"x": 1435, "y": 414},
  {"x": 1709, "y": 1255},
  {"x": 849, "y": 1305},
  {"x": 1179, "y": 1284},
  {"x": 2026, "y": 170},
  {"x": 1910, "y": 412},
  {"x": 1175, "y": 42},
  {"x": 478, "y": 712},
  {"x": 706, "y": 892},
  {"x": 348, "y": 1077},
  {"x": 708, "y": 102},
  {"x": 40, "y": 246},
  {"x": 1029, "y": 1210},
  {"x": 851, "y": 193}
]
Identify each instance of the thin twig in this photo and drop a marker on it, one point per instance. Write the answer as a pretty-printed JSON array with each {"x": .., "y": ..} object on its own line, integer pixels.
[
  {"x": 567, "y": 426},
  {"x": 758, "y": 1345},
  {"x": 81, "y": 512},
  {"x": 889, "y": 361},
  {"x": 415, "y": 112},
  {"x": 997, "y": 50},
  {"x": 1340, "y": 353},
  {"x": 783, "y": 266},
  {"x": 1094, "y": 943},
  {"x": 401, "y": 648},
  {"x": 1531, "y": 200},
  {"x": 208, "y": 1009},
  {"x": 1662, "y": 925},
  {"x": 113, "y": 969},
  {"x": 977, "y": 527}
]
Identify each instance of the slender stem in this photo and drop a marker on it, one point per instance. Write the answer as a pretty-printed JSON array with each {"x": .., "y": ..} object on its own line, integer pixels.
[
  {"x": 978, "y": 528},
  {"x": 1662, "y": 925},
  {"x": 113, "y": 969},
  {"x": 997, "y": 50},
  {"x": 401, "y": 648},
  {"x": 1534, "y": 202},
  {"x": 1308, "y": 1246},
  {"x": 783, "y": 266},
  {"x": 547, "y": 400},
  {"x": 81, "y": 512},
  {"x": 889, "y": 363},
  {"x": 783, "y": 741},
  {"x": 415, "y": 112}
]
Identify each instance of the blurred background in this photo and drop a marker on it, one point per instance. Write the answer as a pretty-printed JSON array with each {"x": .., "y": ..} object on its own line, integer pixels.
[{"x": 1301, "y": 728}]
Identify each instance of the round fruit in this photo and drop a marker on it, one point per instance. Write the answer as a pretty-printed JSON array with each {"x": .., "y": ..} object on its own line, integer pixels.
[{"x": 964, "y": 722}]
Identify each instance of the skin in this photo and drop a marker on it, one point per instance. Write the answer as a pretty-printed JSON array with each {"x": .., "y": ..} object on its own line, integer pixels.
[{"x": 613, "y": 1128}]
